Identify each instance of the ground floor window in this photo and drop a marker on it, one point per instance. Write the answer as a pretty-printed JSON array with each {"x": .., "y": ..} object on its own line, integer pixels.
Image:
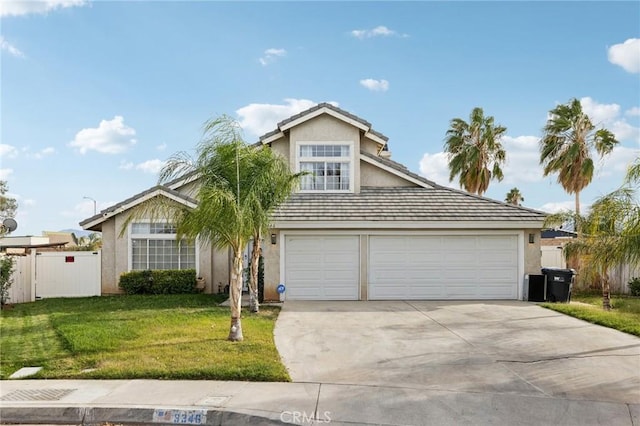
[{"x": 154, "y": 246}]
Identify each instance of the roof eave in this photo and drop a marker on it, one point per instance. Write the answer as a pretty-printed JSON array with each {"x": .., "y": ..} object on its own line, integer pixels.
[
  {"x": 94, "y": 223},
  {"x": 398, "y": 225}
]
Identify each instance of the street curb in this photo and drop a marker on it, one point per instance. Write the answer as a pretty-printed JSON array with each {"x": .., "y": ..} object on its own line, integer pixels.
[{"x": 95, "y": 416}]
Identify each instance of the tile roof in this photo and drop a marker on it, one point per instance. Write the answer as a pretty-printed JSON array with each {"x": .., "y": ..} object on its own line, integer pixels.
[{"x": 400, "y": 204}]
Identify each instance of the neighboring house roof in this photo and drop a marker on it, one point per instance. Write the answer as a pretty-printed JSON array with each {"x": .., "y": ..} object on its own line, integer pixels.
[
  {"x": 61, "y": 237},
  {"x": 323, "y": 108},
  {"x": 558, "y": 233},
  {"x": 402, "y": 204},
  {"x": 94, "y": 222}
]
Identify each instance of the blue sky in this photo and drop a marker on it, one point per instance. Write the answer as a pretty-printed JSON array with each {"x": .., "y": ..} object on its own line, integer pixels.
[{"x": 96, "y": 95}]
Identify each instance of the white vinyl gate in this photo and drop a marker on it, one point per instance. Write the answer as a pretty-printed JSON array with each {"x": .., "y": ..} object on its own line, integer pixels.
[
  {"x": 21, "y": 289},
  {"x": 67, "y": 274},
  {"x": 55, "y": 274}
]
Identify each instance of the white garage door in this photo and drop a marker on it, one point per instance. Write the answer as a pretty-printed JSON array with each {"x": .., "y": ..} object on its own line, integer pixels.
[
  {"x": 443, "y": 267},
  {"x": 322, "y": 267}
]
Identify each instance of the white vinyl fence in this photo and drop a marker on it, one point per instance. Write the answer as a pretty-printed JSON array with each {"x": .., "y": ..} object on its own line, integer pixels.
[
  {"x": 55, "y": 274},
  {"x": 552, "y": 257}
]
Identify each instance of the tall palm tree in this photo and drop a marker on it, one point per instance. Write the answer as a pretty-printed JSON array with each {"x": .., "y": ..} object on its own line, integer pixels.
[
  {"x": 565, "y": 147},
  {"x": 514, "y": 197},
  {"x": 475, "y": 152},
  {"x": 273, "y": 182}
]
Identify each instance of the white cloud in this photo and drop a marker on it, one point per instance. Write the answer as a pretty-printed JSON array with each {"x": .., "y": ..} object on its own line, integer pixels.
[
  {"x": 125, "y": 165},
  {"x": 616, "y": 162},
  {"x": 523, "y": 157},
  {"x": 259, "y": 119},
  {"x": 8, "y": 151},
  {"x": 44, "y": 152},
  {"x": 609, "y": 116},
  {"x": 435, "y": 167},
  {"x": 635, "y": 111},
  {"x": 379, "y": 31},
  {"x": 375, "y": 85},
  {"x": 561, "y": 206},
  {"x": 599, "y": 113},
  {"x": 8, "y": 47},
  {"x": 625, "y": 131},
  {"x": 5, "y": 173},
  {"x": 161, "y": 147},
  {"x": 110, "y": 137},
  {"x": 151, "y": 166},
  {"x": 271, "y": 55},
  {"x": 27, "y": 202},
  {"x": 26, "y": 7},
  {"x": 626, "y": 55}
]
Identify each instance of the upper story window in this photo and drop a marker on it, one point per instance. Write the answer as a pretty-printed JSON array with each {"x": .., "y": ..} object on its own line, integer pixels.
[
  {"x": 154, "y": 246},
  {"x": 329, "y": 166}
]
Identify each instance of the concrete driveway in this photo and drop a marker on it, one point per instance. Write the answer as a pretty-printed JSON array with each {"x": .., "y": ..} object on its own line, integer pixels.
[{"x": 490, "y": 348}]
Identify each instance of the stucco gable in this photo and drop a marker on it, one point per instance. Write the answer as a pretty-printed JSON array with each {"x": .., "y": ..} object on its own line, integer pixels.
[
  {"x": 95, "y": 222},
  {"x": 317, "y": 110}
]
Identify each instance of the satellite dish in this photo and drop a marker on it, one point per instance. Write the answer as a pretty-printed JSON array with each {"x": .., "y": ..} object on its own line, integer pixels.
[{"x": 10, "y": 224}]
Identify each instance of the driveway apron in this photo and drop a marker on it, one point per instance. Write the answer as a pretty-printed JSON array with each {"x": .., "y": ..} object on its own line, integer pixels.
[{"x": 500, "y": 347}]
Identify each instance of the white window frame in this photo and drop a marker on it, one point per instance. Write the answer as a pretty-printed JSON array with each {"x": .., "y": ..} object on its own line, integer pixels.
[
  {"x": 131, "y": 236},
  {"x": 350, "y": 160}
]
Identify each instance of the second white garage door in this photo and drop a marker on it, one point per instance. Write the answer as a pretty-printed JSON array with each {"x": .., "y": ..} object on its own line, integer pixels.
[
  {"x": 322, "y": 267},
  {"x": 443, "y": 267}
]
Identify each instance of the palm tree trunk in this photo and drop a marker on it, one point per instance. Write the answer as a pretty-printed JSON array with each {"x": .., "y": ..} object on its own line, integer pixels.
[
  {"x": 576, "y": 223},
  {"x": 235, "y": 297},
  {"x": 254, "y": 304},
  {"x": 606, "y": 293}
]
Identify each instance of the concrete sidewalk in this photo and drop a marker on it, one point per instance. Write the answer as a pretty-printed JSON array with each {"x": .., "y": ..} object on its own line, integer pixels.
[{"x": 238, "y": 403}]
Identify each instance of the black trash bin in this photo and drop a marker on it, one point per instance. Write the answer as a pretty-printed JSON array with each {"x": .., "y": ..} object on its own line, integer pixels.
[
  {"x": 537, "y": 291},
  {"x": 558, "y": 284}
]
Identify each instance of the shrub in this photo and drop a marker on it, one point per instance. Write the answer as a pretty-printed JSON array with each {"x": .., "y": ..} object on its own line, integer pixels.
[
  {"x": 6, "y": 269},
  {"x": 634, "y": 286},
  {"x": 173, "y": 281}
]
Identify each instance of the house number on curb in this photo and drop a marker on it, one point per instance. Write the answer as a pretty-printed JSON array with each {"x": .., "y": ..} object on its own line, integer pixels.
[{"x": 180, "y": 417}]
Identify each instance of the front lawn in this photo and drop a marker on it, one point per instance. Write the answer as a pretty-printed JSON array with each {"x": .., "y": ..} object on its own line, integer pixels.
[
  {"x": 624, "y": 315},
  {"x": 127, "y": 337}
]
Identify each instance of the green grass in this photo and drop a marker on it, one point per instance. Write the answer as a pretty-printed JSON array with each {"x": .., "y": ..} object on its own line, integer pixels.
[
  {"x": 127, "y": 337},
  {"x": 624, "y": 315}
]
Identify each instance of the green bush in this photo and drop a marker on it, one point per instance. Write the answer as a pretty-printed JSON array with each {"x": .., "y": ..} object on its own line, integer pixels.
[
  {"x": 634, "y": 286},
  {"x": 172, "y": 281},
  {"x": 6, "y": 269}
]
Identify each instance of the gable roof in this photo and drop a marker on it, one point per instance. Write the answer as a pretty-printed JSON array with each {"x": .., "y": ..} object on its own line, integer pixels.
[
  {"x": 94, "y": 222},
  {"x": 323, "y": 108},
  {"x": 412, "y": 207}
]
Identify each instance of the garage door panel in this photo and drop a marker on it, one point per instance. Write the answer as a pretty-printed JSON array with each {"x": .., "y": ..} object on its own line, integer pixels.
[
  {"x": 443, "y": 267},
  {"x": 322, "y": 267}
]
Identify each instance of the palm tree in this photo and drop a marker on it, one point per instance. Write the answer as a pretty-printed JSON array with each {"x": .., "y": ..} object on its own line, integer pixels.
[
  {"x": 611, "y": 233},
  {"x": 474, "y": 151},
  {"x": 565, "y": 147},
  {"x": 273, "y": 182},
  {"x": 234, "y": 182},
  {"x": 514, "y": 197}
]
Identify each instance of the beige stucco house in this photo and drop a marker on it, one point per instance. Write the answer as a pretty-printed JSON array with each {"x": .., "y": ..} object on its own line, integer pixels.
[{"x": 361, "y": 227}]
